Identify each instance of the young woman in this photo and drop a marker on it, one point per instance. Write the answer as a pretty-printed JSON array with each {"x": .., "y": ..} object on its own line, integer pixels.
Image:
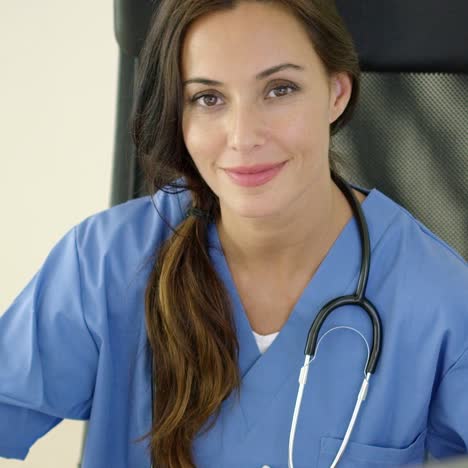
[{"x": 206, "y": 289}]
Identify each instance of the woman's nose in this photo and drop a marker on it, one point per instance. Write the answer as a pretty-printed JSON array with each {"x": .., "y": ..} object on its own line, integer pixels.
[{"x": 245, "y": 128}]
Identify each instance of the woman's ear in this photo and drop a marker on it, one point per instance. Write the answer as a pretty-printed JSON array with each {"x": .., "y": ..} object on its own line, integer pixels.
[{"x": 340, "y": 94}]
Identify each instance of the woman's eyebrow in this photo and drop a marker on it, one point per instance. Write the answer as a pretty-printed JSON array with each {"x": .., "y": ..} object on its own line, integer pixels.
[{"x": 260, "y": 76}]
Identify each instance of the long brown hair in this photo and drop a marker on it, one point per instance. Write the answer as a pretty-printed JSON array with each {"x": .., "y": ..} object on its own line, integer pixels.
[{"x": 188, "y": 314}]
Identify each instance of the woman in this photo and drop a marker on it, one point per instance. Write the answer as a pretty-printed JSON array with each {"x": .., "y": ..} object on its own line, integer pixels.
[{"x": 252, "y": 236}]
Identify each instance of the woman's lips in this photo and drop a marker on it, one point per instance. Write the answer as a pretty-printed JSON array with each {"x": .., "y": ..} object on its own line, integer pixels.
[{"x": 254, "y": 176}]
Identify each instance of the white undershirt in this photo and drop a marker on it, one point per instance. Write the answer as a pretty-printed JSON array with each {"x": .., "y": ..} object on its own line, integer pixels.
[{"x": 264, "y": 341}]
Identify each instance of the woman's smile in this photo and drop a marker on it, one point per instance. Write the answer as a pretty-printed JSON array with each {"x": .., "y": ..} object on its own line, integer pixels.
[{"x": 255, "y": 175}]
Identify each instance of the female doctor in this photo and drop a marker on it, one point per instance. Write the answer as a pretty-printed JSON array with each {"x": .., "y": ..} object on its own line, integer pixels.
[{"x": 176, "y": 323}]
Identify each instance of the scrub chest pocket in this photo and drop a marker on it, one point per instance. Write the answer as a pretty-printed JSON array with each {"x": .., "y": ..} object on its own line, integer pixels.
[{"x": 370, "y": 456}]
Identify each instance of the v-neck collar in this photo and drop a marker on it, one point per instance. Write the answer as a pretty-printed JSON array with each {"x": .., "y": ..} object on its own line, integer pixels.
[{"x": 263, "y": 374}]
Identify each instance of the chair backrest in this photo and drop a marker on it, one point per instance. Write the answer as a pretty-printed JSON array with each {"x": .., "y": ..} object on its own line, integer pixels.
[{"x": 409, "y": 135}]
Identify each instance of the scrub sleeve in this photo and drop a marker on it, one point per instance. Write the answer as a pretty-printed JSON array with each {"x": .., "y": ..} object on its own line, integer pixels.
[{"x": 48, "y": 359}]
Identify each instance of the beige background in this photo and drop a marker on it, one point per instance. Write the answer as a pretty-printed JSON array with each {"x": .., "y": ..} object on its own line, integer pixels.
[{"x": 58, "y": 82}]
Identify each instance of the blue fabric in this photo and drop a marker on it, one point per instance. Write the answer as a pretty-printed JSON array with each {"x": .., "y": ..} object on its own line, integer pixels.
[{"x": 73, "y": 345}]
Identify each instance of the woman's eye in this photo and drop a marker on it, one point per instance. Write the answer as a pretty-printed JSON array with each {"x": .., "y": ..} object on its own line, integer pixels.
[
  {"x": 282, "y": 90},
  {"x": 208, "y": 100}
]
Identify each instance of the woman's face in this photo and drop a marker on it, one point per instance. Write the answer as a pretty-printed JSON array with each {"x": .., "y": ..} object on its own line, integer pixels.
[{"x": 239, "y": 113}]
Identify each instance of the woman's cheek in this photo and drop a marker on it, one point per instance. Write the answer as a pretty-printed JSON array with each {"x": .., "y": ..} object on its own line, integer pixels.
[{"x": 199, "y": 142}]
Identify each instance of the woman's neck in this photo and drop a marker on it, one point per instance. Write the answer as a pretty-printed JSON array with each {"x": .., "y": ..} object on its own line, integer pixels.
[{"x": 284, "y": 244}]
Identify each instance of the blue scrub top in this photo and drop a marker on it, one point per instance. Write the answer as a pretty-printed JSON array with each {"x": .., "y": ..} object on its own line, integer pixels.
[{"x": 73, "y": 345}]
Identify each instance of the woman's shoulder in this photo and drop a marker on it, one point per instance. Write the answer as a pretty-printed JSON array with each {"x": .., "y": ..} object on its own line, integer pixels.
[
  {"x": 420, "y": 284},
  {"x": 140, "y": 223},
  {"x": 407, "y": 237},
  {"x": 427, "y": 277}
]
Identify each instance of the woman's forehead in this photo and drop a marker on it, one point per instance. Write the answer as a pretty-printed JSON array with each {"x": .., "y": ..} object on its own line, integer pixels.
[{"x": 253, "y": 36}]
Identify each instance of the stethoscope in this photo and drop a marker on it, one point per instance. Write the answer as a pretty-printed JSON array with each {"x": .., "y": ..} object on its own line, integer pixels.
[{"x": 357, "y": 299}]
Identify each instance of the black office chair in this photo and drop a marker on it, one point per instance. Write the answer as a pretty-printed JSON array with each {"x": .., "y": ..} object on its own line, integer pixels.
[{"x": 409, "y": 136}]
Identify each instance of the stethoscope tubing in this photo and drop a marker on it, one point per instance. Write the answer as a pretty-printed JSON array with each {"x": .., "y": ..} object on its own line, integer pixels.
[{"x": 357, "y": 299}]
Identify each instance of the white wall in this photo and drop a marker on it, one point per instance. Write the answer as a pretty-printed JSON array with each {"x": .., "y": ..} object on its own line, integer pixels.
[{"x": 58, "y": 83}]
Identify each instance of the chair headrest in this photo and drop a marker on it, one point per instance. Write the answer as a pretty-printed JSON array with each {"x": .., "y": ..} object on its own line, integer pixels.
[{"x": 424, "y": 36}]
